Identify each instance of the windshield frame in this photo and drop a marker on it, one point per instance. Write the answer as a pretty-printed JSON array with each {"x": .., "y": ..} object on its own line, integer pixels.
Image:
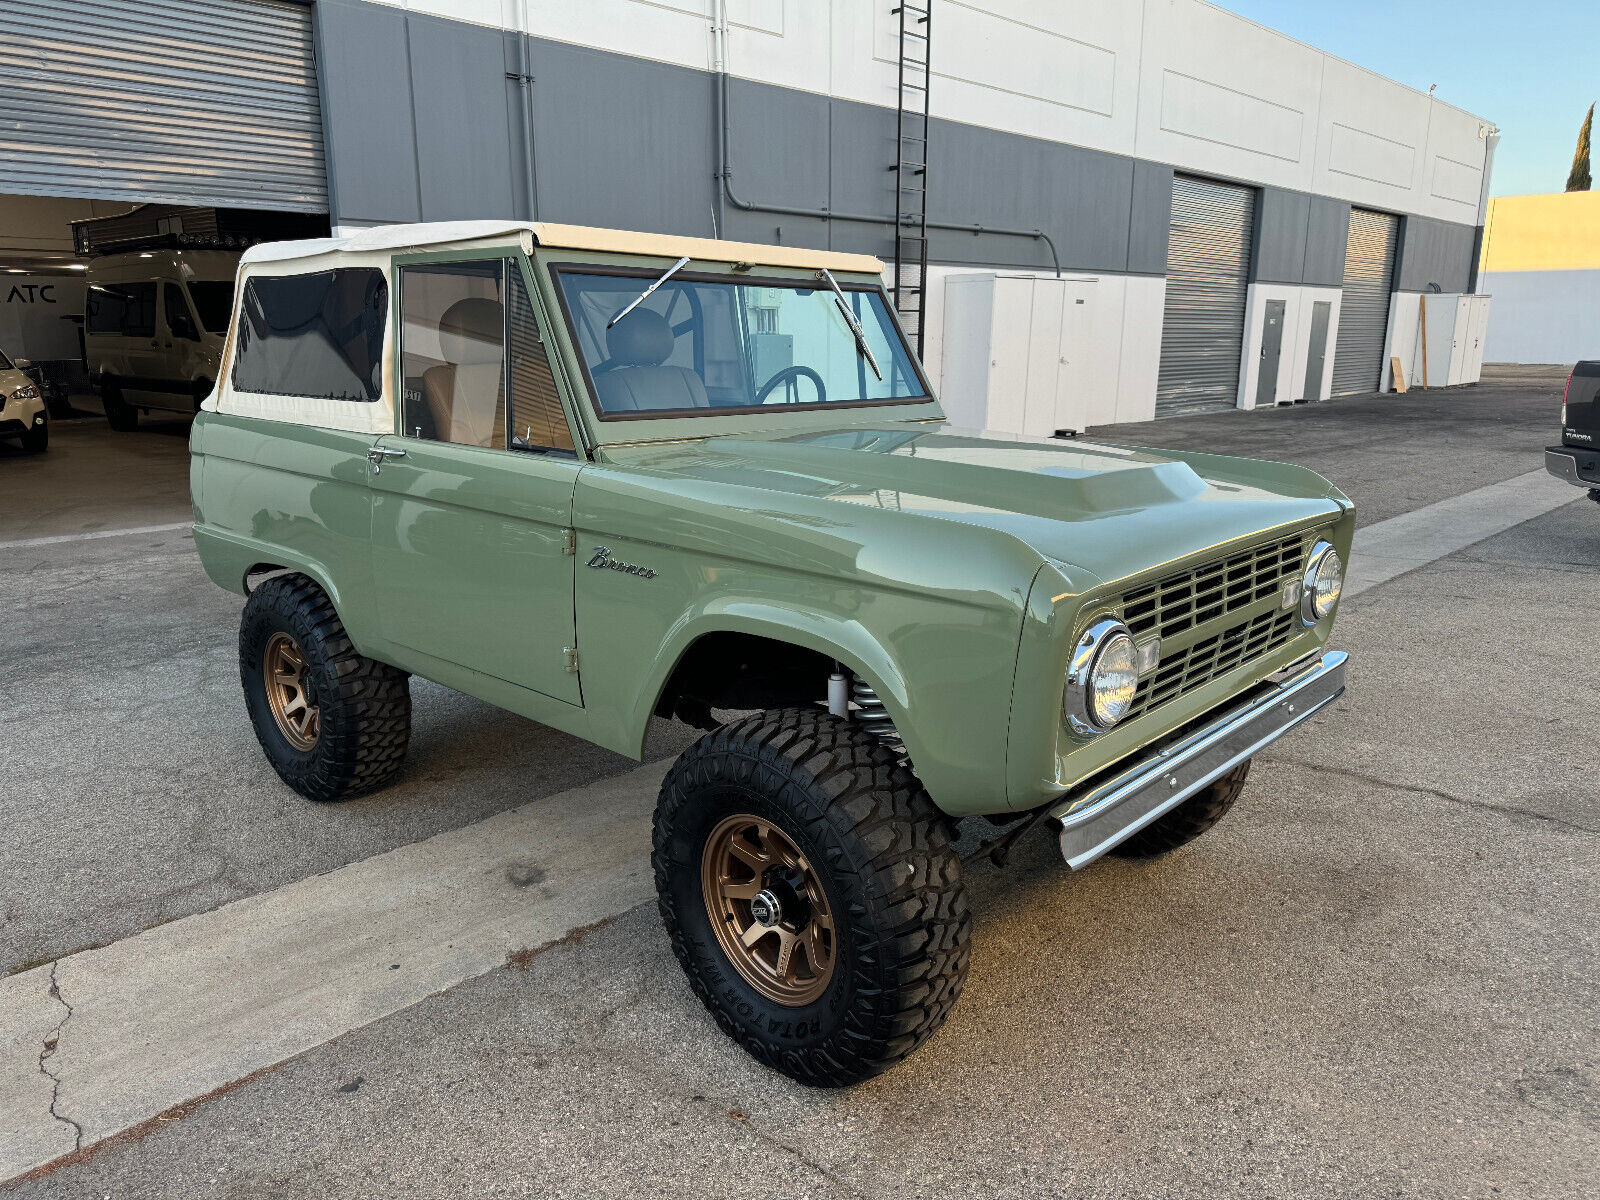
[{"x": 726, "y": 277}]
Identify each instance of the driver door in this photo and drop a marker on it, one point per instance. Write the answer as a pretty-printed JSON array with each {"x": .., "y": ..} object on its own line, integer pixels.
[{"x": 472, "y": 504}]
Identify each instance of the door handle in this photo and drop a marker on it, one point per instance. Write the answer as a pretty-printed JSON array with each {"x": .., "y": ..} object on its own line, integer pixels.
[{"x": 377, "y": 455}]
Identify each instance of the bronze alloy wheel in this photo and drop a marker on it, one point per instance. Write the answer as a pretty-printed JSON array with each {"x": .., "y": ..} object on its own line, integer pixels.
[
  {"x": 769, "y": 911},
  {"x": 289, "y": 692}
]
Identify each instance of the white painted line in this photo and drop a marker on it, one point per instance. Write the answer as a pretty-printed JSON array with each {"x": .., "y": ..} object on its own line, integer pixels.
[
  {"x": 1424, "y": 535},
  {"x": 172, "y": 1014},
  {"x": 92, "y": 535},
  {"x": 185, "y": 1008}
]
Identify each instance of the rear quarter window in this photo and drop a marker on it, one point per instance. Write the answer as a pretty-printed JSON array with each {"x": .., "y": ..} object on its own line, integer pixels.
[{"x": 318, "y": 335}]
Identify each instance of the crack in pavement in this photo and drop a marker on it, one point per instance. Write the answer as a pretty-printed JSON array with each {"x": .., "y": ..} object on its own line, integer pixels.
[
  {"x": 51, "y": 1041},
  {"x": 1503, "y": 810}
]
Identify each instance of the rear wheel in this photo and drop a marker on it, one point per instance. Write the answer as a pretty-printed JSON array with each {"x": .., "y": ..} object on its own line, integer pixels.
[
  {"x": 333, "y": 724},
  {"x": 120, "y": 415},
  {"x": 1189, "y": 820},
  {"x": 812, "y": 895}
]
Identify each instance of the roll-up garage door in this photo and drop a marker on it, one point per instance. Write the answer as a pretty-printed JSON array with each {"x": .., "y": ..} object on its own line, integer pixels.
[
  {"x": 1208, "y": 274},
  {"x": 205, "y": 102},
  {"x": 1364, "y": 308}
]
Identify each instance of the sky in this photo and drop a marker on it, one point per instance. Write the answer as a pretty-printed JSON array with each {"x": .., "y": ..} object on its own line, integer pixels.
[{"x": 1531, "y": 67}]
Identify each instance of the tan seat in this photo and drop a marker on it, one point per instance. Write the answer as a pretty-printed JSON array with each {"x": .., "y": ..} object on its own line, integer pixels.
[
  {"x": 466, "y": 392},
  {"x": 638, "y": 382}
]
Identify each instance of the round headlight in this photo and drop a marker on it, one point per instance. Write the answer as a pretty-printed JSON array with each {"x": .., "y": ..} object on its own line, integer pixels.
[
  {"x": 1324, "y": 580},
  {"x": 1103, "y": 677}
]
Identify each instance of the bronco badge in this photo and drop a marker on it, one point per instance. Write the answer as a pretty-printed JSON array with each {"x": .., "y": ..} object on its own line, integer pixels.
[{"x": 602, "y": 558}]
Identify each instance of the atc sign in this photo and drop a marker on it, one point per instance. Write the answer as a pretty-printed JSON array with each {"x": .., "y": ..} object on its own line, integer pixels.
[{"x": 39, "y": 316}]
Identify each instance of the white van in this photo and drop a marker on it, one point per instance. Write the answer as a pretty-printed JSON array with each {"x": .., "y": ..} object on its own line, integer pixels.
[{"x": 154, "y": 324}]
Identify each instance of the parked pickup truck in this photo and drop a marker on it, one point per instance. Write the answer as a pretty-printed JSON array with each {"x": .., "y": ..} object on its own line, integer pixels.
[
  {"x": 598, "y": 477},
  {"x": 1577, "y": 458}
]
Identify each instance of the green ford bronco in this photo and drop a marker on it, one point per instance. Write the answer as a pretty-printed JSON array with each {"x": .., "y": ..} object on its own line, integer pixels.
[{"x": 597, "y": 477}]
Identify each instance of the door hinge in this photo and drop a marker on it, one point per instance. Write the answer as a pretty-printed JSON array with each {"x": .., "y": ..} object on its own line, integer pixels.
[
  {"x": 569, "y": 542},
  {"x": 570, "y": 655}
]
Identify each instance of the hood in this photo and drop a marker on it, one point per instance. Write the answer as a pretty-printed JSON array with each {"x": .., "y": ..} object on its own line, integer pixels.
[{"x": 1111, "y": 510}]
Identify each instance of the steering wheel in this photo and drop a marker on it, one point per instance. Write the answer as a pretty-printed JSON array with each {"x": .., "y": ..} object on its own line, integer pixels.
[{"x": 789, "y": 374}]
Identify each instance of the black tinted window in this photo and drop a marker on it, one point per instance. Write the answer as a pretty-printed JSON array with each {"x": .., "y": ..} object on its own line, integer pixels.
[
  {"x": 180, "y": 323},
  {"x": 313, "y": 335},
  {"x": 128, "y": 309},
  {"x": 213, "y": 300}
]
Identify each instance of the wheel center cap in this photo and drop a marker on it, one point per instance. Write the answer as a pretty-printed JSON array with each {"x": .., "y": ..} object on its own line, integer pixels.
[{"x": 766, "y": 908}]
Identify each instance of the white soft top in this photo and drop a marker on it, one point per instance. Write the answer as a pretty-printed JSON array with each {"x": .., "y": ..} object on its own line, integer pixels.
[
  {"x": 372, "y": 248},
  {"x": 431, "y": 235}
]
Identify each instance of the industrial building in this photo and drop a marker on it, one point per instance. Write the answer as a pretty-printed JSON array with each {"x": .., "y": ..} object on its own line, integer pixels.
[
  {"x": 1541, "y": 261},
  {"x": 1105, "y": 211}
]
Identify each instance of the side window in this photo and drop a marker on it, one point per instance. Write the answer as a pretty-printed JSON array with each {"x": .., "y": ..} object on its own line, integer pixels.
[
  {"x": 105, "y": 307},
  {"x": 139, "y": 313},
  {"x": 179, "y": 323},
  {"x": 319, "y": 334},
  {"x": 537, "y": 420},
  {"x": 452, "y": 344}
]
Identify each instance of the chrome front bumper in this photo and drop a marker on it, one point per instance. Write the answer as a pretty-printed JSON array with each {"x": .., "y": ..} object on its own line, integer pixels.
[{"x": 1094, "y": 821}]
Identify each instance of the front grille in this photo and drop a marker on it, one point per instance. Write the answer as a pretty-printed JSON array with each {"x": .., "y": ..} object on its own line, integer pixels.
[
  {"x": 1216, "y": 655},
  {"x": 1181, "y": 601}
]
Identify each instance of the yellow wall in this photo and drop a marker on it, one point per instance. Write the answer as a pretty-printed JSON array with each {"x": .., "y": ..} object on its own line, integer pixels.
[{"x": 1559, "y": 232}]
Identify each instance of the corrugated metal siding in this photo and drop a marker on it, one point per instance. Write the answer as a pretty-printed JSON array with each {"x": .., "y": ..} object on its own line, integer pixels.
[
  {"x": 1208, "y": 274},
  {"x": 210, "y": 102},
  {"x": 1364, "y": 309}
]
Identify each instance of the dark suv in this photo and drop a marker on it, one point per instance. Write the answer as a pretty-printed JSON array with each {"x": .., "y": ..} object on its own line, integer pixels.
[{"x": 1577, "y": 458}]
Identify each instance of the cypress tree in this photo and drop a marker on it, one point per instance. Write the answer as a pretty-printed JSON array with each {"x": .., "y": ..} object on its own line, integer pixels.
[{"x": 1578, "y": 180}]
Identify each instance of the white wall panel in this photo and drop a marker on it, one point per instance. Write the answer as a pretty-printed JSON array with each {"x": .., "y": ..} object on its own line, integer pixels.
[
  {"x": 1296, "y": 348},
  {"x": 1222, "y": 95}
]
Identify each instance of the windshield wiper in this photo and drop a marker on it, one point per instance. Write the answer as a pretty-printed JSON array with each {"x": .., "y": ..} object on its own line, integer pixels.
[
  {"x": 645, "y": 295},
  {"x": 864, "y": 350}
]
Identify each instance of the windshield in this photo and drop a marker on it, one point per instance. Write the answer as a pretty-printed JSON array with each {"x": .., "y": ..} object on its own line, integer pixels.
[
  {"x": 5, "y": 363},
  {"x": 213, "y": 300},
  {"x": 704, "y": 345}
]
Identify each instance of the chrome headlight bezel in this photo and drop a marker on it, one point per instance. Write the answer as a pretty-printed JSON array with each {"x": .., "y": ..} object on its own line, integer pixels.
[
  {"x": 1312, "y": 608},
  {"x": 26, "y": 392},
  {"x": 1087, "y": 657}
]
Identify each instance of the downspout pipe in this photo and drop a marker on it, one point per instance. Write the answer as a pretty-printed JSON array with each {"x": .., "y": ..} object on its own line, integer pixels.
[{"x": 725, "y": 175}]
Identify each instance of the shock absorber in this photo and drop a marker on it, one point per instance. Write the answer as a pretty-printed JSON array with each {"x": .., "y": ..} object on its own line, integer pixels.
[{"x": 872, "y": 716}]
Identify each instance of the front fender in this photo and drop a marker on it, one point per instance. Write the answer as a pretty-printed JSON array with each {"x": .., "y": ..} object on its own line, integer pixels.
[{"x": 943, "y": 670}]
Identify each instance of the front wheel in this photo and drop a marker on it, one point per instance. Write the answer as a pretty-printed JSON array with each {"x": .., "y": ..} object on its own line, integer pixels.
[
  {"x": 812, "y": 895},
  {"x": 120, "y": 415},
  {"x": 37, "y": 439},
  {"x": 332, "y": 723}
]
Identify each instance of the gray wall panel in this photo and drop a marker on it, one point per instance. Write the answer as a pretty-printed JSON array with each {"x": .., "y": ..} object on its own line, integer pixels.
[
  {"x": 366, "y": 102},
  {"x": 1327, "y": 233},
  {"x": 1434, "y": 251},
  {"x": 1280, "y": 237},
  {"x": 1082, "y": 198},
  {"x": 862, "y": 147},
  {"x": 460, "y": 105},
  {"x": 622, "y": 142},
  {"x": 779, "y": 148},
  {"x": 1150, "y": 221}
]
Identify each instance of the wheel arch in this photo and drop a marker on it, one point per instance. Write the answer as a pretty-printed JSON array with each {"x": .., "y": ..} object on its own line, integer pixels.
[{"x": 829, "y": 638}]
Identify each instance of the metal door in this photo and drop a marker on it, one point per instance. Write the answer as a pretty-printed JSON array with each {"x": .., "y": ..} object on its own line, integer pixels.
[
  {"x": 1317, "y": 352},
  {"x": 1364, "y": 310},
  {"x": 1271, "y": 350},
  {"x": 206, "y": 102},
  {"x": 1208, "y": 275}
]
